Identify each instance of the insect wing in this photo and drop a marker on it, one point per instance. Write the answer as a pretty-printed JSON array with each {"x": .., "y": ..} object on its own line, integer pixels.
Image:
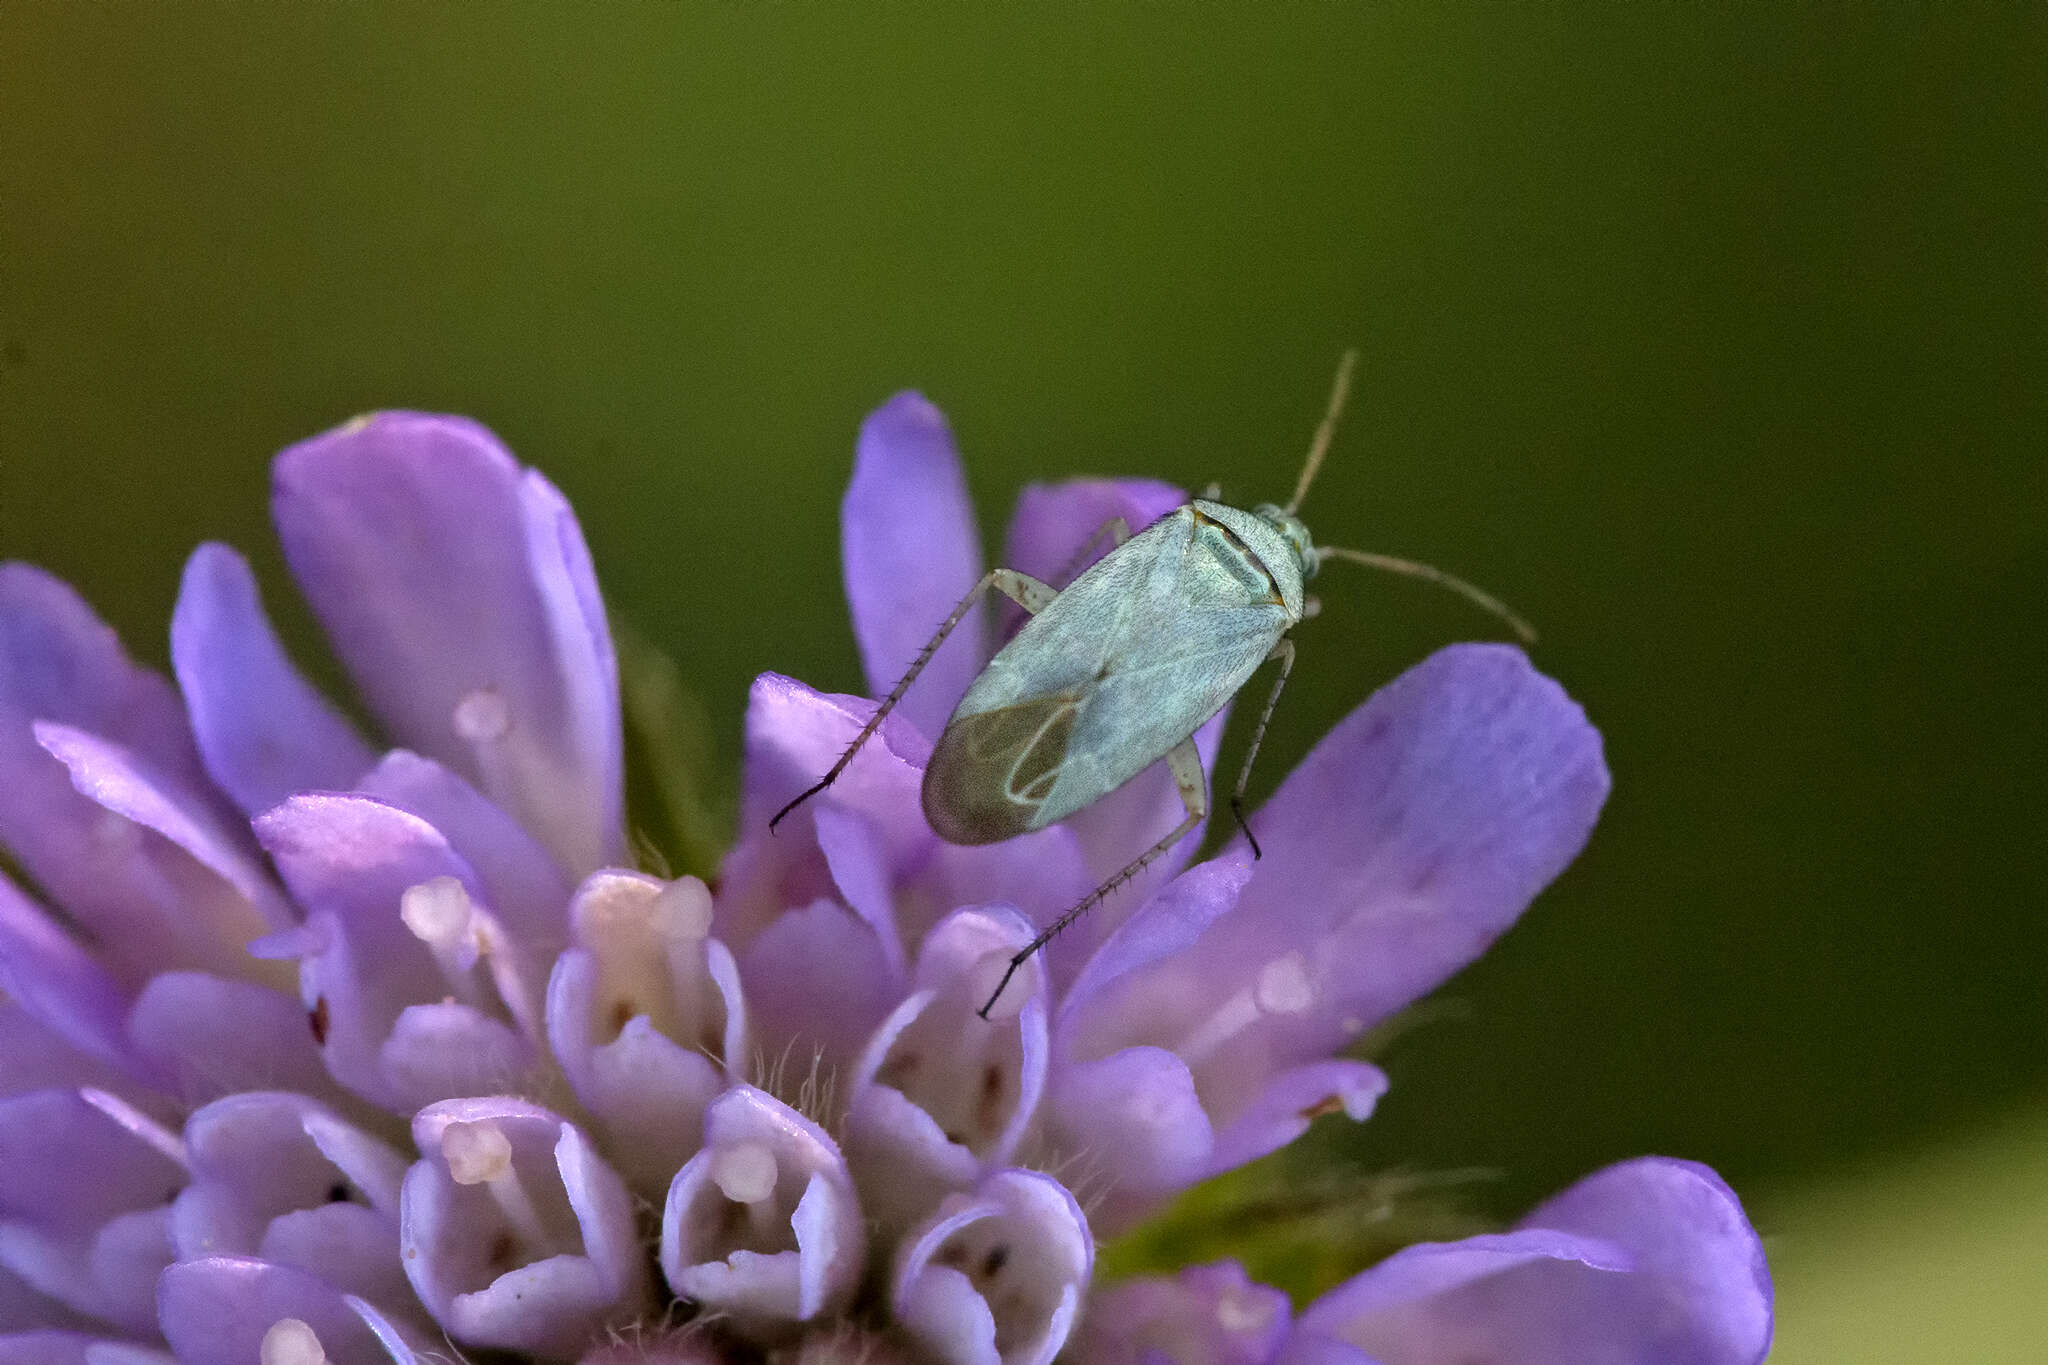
[
  {"x": 1157, "y": 697},
  {"x": 992, "y": 771}
]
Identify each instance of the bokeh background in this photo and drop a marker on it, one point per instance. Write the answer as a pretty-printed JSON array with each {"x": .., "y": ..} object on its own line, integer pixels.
[{"x": 1711, "y": 337}]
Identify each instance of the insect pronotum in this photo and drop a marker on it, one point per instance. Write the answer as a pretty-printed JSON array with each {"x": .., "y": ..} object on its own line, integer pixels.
[{"x": 1117, "y": 671}]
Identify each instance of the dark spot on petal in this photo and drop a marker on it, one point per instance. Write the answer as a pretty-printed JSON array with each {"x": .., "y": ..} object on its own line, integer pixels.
[
  {"x": 622, "y": 1015},
  {"x": 988, "y": 1110},
  {"x": 1329, "y": 1104},
  {"x": 317, "y": 1019},
  {"x": 993, "y": 1263},
  {"x": 897, "y": 1070},
  {"x": 339, "y": 1192},
  {"x": 504, "y": 1247}
]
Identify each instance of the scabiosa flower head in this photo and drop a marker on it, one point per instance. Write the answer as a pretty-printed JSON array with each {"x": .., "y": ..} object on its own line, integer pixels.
[{"x": 313, "y": 1049}]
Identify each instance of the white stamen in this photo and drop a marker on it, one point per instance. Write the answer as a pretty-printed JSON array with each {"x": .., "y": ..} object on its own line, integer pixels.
[
  {"x": 1239, "y": 1311},
  {"x": 984, "y": 976},
  {"x": 479, "y": 1153},
  {"x": 482, "y": 716},
  {"x": 441, "y": 915},
  {"x": 744, "y": 1172},
  {"x": 290, "y": 1342},
  {"x": 439, "y": 912},
  {"x": 1284, "y": 987},
  {"x": 682, "y": 909},
  {"x": 476, "y": 1152}
]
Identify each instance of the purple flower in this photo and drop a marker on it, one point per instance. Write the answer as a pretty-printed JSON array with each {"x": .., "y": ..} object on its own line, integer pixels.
[{"x": 316, "y": 1050}]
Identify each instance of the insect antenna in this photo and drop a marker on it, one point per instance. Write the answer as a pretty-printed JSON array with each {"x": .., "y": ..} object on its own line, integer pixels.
[
  {"x": 1340, "y": 394},
  {"x": 1429, "y": 573}
]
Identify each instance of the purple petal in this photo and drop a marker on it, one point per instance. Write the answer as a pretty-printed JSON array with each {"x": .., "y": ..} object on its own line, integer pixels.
[
  {"x": 1291, "y": 1099},
  {"x": 646, "y": 1017},
  {"x": 855, "y": 857},
  {"x": 1053, "y": 521},
  {"x": 220, "y": 1309},
  {"x": 69, "y": 1164},
  {"x": 284, "y": 1178},
  {"x": 1043, "y": 874},
  {"x": 526, "y": 888},
  {"x": 818, "y": 982},
  {"x": 73, "y": 1348},
  {"x": 265, "y": 732},
  {"x": 458, "y": 593},
  {"x": 208, "y": 1036},
  {"x": 60, "y": 986},
  {"x": 1007, "y": 1263},
  {"x": 911, "y": 552},
  {"x": 942, "y": 1095},
  {"x": 59, "y": 662},
  {"x": 762, "y": 1224},
  {"x": 514, "y": 1233},
  {"x": 34, "y": 1056},
  {"x": 375, "y": 988},
  {"x": 1206, "y": 1315},
  {"x": 213, "y": 909},
  {"x": 1415, "y": 833},
  {"x": 83, "y": 1183},
  {"x": 1651, "y": 1260},
  {"x": 793, "y": 736},
  {"x": 1136, "y": 1111}
]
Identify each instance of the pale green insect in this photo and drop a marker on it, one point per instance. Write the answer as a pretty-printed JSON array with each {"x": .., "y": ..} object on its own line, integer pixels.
[{"x": 1118, "y": 670}]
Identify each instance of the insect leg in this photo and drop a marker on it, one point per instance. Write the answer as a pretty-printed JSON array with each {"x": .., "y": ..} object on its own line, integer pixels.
[
  {"x": 1186, "y": 762},
  {"x": 1021, "y": 588},
  {"x": 1283, "y": 650}
]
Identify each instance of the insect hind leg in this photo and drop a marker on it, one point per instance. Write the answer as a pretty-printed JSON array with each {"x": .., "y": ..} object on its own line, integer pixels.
[
  {"x": 1021, "y": 588},
  {"x": 1186, "y": 762}
]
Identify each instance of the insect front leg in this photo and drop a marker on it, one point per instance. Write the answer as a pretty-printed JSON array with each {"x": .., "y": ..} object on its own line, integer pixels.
[
  {"x": 1021, "y": 588},
  {"x": 1283, "y": 650},
  {"x": 1185, "y": 761}
]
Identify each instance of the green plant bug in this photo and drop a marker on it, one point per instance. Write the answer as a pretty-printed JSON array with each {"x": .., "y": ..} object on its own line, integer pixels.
[{"x": 1117, "y": 670}]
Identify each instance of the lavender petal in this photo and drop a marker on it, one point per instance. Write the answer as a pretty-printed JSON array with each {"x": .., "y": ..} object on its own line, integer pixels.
[
  {"x": 1648, "y": 1260},
  {"x": 1414, "y": 834},
  {"x": 286, "y": 1179},
  {"x": 995, "y": 1277},
  {"x": 763, "y": 1224},
  {"x": 1206, "y": 1315},
  {"x": 456, "y": 590},
  {"x": 374, "y": 986},
  {"x": 646, "y": 1017},
  {"x": 220, "y": 1308},
  {"x": 910, "y": 553},
  {"x": 207, "y": 1036},
  {"x": 264, "y": 731},
  {"x": 514, "y": 1233},
  {"x": 941, "y": 1094},
  {"x": 60, "y": 985}
]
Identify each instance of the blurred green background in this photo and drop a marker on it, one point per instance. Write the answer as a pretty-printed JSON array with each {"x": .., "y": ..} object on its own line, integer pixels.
[{"x": 1711, "y": 338}]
